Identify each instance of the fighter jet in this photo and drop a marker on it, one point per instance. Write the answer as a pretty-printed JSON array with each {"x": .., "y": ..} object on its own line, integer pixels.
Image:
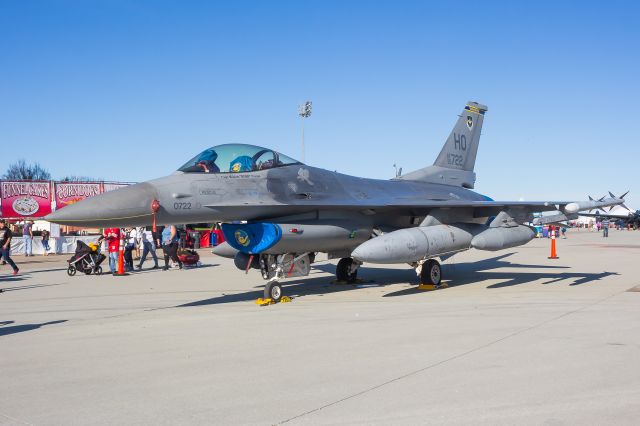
[{"x": 278, "y": 213}]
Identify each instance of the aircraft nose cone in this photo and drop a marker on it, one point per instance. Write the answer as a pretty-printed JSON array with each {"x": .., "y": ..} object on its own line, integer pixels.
[{"x": 129, "y": 206}]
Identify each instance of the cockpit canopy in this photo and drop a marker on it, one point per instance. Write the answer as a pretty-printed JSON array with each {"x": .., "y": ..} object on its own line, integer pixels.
[{"x": 236, "y": 158}]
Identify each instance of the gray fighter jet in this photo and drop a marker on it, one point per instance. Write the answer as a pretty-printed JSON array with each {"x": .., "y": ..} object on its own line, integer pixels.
[{"x": 278, "y": 213}]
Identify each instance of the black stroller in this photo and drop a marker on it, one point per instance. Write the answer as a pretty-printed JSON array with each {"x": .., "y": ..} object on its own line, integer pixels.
[{"x": 86, "y": 259}]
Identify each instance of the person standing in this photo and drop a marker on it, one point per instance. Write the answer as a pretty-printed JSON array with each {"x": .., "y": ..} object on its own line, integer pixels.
[
  {"x": 149, "y": 246},
  {"x": 45, "y": 242},
  {"x": 5, "y": 246},
  {"x": 139, "y": 238},
  {"x": 170, "y": 246},
  {"x": 112, "y": 235},
  {"x": 27, "y": 236},
  {"x": 605, "y": 227},
  {"x": 131, "y": 238},
  {"x": 157, "y": 237}
]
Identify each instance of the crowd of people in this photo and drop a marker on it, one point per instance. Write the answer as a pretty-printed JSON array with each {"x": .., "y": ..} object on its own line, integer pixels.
[{"x": 141, "y": 242}]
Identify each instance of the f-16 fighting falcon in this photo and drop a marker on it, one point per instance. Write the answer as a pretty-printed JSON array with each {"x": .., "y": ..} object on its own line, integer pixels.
[{"x": 278, "y": 213}]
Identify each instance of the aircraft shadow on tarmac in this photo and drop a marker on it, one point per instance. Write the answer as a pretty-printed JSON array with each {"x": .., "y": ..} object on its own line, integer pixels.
[
  {"x": 456, "y": 273},
  {"x": 294, "y": 288},
  {"x": 4, "y": 331},
  {"x": 12, "y": 279},
  {"x": 27, "y": 287},
  {"x": 25, "y": 274},
  {"x": 471, "y": 272},
  {"x": 39, "y": 271}
]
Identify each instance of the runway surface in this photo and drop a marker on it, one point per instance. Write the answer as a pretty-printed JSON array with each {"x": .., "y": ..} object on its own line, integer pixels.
[{"x": 516, "y": 339}]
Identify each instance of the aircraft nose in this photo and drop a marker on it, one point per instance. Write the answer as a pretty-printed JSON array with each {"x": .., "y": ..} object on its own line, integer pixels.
[{"x": 129, "y": 206}]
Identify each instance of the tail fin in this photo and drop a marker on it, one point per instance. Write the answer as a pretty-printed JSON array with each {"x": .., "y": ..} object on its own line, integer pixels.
[{"x": 454, "y": 165}]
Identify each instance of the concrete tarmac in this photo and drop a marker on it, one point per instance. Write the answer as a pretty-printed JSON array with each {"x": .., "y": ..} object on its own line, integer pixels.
[{"x": 516, "y": 339}]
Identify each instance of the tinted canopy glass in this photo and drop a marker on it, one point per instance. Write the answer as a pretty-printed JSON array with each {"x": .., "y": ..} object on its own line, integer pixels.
[{"x": 236, "y": 158}]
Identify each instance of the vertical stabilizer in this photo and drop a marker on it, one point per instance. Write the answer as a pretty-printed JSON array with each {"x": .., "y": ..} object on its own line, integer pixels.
[{"x": 455, "y": 163}]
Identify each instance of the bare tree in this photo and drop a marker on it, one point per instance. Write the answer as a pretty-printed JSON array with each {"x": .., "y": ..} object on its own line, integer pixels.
[
  {"x": 20, "y": 170},
  {"x": 74, "y": 178}
]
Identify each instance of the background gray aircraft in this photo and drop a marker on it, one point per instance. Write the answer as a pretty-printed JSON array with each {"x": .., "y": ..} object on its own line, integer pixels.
[{"x": 291, "y": 211}]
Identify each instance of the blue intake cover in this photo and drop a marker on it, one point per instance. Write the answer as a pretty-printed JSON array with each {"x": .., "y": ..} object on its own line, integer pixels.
[{"x": 251, "y": 238}]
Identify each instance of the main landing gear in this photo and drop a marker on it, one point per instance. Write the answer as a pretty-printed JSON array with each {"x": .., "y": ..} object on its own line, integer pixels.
[
  {"x": 430, "y": 273},
  {"x": 347, "y": 270}
]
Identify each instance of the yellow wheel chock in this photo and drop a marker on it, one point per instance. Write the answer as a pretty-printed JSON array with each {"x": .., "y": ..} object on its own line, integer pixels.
[
  {"x": 431, "y": 287},
  {"x": 267, "y": 302},
  {"x": 427, "y": 287}
]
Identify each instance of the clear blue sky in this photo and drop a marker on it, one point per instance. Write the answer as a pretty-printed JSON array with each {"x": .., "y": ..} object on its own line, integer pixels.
[{"x": 129, "y": 90}]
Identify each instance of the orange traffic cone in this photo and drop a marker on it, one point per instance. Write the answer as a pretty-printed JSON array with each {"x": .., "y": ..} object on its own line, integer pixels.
[
  {"x": 554, "y": 255},
  {"x": 120, "y": 271}
]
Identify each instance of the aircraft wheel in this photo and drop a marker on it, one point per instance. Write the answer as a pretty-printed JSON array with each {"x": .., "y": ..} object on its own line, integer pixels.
[
  {"x": 343, "y": 268},
  {"x": 71, "y": 270},
  {"x": 273, "y": 291},
  {"x": 431, "y": 273}
]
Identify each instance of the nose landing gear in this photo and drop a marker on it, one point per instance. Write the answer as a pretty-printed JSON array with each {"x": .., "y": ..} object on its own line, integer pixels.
[
  {"x": 275, "y": 268},
  {"x": 272, "y": 294}
]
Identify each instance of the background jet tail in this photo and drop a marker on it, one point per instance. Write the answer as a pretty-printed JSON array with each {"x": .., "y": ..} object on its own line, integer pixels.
[{"x": 455, "y": 163}]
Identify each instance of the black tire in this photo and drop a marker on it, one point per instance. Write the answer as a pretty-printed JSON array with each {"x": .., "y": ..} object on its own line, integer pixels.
[
  {"x": 98, "y": 270},
  {"x": 273, "y": 291},
  {"x": 88, "y": 271},
  {"x": 431, "y": 273},
  {"x": 71, "y": 270},
  {"x": 342, "y": 270}
]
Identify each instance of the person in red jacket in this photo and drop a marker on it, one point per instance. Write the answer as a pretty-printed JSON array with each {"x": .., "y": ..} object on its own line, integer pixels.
[{"x": 112, "y": 236}]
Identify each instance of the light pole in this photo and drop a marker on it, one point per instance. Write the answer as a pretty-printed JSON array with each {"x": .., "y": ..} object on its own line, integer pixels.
[{"x": 304, "y": 111}]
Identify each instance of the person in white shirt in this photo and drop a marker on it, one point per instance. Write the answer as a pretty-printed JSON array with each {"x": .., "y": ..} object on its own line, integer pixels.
[
  {"x": 148, "y": 246},
  {"x": 139, "y": 231}
]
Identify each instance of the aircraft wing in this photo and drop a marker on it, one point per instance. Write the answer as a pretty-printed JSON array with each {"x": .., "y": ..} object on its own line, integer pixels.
[{"x": 482, "y": 208}]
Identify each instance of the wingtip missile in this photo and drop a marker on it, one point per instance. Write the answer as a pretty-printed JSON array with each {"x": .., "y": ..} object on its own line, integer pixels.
[
  {"x": 578, "y": 206},
  {"x": 619, "y": 198}
]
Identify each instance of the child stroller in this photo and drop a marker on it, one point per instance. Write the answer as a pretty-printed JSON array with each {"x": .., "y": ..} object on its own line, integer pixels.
[{"x": 87, "y": 259}]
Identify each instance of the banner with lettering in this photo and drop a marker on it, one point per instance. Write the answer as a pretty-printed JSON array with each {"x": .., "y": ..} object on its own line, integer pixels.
[
  {"x": 25, "y": 198},
  {"x": 71, "y": 192}
]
